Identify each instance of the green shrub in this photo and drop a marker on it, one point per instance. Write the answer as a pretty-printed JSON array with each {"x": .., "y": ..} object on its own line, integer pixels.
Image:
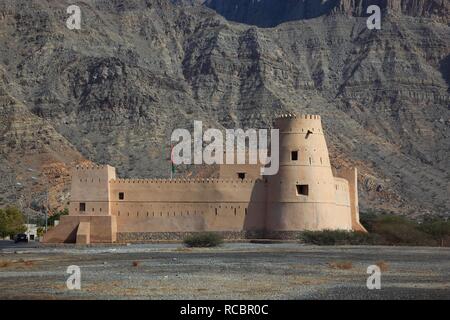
[
  {"x": 337, "y": 237},
  {"x": 206, "y": 239},
  {"x": 398, "y": 230},
  {"x": 385, "y": 229},
  {"x": 57, "y": 216},
  {"x": 439, "y": 230},
  {"x": 40, "y": 231},
  {"x": 367, "y": 219}
]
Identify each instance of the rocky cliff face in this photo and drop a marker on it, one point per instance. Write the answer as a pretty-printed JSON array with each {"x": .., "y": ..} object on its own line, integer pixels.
[
  {"x": 270, "y": 13},
  {"x": 113, "y": 91}
]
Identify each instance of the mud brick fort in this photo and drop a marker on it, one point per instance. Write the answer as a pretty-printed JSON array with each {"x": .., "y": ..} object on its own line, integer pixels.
[{"x": 240, "y": 204}]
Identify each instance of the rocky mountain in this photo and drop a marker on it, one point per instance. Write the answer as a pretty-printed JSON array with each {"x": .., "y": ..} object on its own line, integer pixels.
[
  {"x": 113, "y": 91},
  {"x": 270, "y": 13}
]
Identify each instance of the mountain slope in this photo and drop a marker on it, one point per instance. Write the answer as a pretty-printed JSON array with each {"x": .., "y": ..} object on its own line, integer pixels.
[{"x": 114, "y": 90}]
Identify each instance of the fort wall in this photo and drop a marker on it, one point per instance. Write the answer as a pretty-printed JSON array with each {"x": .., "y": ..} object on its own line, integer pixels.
[
  {"x": 188, "y": 205},
  {"x": 351, "y": 176}
]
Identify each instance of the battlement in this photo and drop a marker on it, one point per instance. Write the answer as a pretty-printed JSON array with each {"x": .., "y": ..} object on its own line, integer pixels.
[
  {"x": 301, "y": 123},
  {"x": 293, "y": 116},
  {"x": 91, "y": 167},
  {"x": 185, "y": 181}
]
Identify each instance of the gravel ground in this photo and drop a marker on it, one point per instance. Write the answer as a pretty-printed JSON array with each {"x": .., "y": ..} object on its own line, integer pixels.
[{"x": 233, "y": 271}]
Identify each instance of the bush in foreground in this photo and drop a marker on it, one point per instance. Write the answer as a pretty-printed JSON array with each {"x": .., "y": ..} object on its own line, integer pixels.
[
  {"x": 337, "y": 237},
  {"x": 397, "y": 230},
  {"x": 386, "y": 230},
  {"x": 439, "y": 230},
  {"x": 204, "y": 240}
]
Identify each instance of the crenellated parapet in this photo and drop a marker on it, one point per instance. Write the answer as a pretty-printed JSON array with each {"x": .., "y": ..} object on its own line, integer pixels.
[
  {"x": 299, "y": 124},
  {"x": 186, "y": 181},
  {"x": 83, "y": 174},
  {"x": 91, "y": 167},
  {"x": 300, "y": 116}
]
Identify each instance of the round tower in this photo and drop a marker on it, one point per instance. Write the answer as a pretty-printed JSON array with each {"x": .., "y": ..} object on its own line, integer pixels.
[{"x": 302, "y": 196}]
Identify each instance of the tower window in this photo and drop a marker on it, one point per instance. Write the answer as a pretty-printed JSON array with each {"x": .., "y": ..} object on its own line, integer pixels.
[
  {"x": 82, "y": 206},
  {"x": 241, "y": 175},
  {"x": 302, "y": 189},
  {"x": 121, "y": 195},
  {"x": 294, "y": 155}
]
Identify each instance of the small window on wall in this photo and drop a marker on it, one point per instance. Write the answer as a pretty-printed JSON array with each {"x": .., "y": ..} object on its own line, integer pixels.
[
  {"x": 302, "y": 190},
  {"x": 294, "y": 155},
  {"x": 241, "y": 175},
  {"x": 121, "y": 195},
  {"x": 82, "y": 206}
]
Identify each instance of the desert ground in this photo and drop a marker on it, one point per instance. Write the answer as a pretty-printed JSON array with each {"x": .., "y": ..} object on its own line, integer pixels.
[{"x": 232, "y": 271}]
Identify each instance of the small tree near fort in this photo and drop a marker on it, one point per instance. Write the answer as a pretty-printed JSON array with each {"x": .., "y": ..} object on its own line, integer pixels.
[{"x": 12, "y": 222}]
